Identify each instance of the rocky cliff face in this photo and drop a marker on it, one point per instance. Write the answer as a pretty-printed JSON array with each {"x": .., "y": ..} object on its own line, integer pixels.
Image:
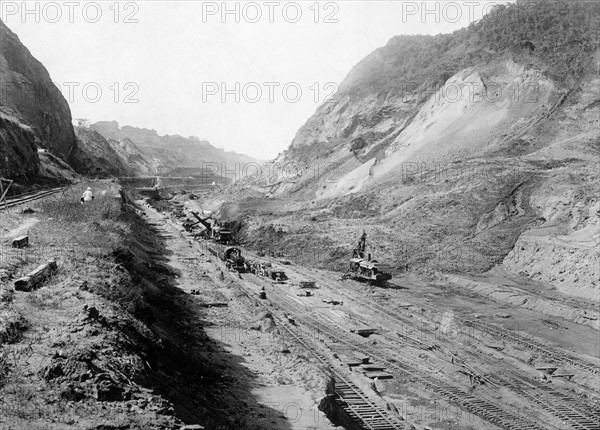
[
  {"x": 18, "y": 153},
  {"x": 94, "y": 155},
  {"x": 28, "y": 95},
  {"x": 97, "y": 156}
]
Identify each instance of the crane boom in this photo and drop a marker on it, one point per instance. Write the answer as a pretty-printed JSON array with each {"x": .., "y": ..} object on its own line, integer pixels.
[{"x": 359, "y": 251}]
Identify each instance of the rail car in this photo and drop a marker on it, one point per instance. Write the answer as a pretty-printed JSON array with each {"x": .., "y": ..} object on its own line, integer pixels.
[
  {"x": 276, "y": 275},
  {"x": 266, "y": 269},
  {"x": 369, "y": 270},
  {"x": 259, "y": 268}
]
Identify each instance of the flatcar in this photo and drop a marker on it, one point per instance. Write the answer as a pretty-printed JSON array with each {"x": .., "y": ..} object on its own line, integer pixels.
[
  {"x": 259, "y": 267},
  {"x": 266, "y": 269}
]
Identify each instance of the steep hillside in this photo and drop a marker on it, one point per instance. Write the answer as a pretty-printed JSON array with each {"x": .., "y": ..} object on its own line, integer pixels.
[
  {"x": 137, "y": 160},
  {"x": 513, "y": 64},
  {"x": 97, "y": 156},
  {"x": 35, "y": 106},
  {"x": 455, "y": 153},
  {"x": 171, "y": 152},
  {"x": 93, "y": 155}
]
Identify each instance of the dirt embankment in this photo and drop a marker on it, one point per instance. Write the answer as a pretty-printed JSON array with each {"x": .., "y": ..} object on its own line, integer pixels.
[
  {"x": 110, "y": 341},
  {"x": 563, "y": 250},
  {"x": 85, "y": 351},
  {"x": 122, "y": 336}
]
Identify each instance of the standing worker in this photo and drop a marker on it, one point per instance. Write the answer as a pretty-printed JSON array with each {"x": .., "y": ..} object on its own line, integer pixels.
[
  {"x": 158, "y": 183},
  {"x": 87, "y": 196}
]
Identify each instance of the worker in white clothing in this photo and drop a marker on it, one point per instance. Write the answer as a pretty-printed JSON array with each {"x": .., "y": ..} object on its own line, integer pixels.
[{"x": 87, "y": 196}]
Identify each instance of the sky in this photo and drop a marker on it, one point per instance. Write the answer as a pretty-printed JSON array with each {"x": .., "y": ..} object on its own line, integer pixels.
[{"x": 244, "y": 75}]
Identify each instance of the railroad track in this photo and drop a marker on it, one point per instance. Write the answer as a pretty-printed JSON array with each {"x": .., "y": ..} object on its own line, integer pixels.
[
  {"x": 29, "y": 197},
  {"x": 572, "y": 411},
  {"x": 487, "y": 410},
  {"x": 363, "y": 411},
  {"x": 483, "y": 408},
  {"x": 349, "y": 397},
  {"x": 583, "y": 418},
  {"x": 558, "y": 356}
]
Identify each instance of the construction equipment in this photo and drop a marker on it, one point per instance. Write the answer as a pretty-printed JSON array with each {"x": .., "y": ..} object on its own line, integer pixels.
[
  {"x": 189, "y": 225},
  {"x": 221, "y": 234},
  {"x": 212, "y": 229},
  {"x": 366, "y": 269},
  {"x": 359, "y": 251}
]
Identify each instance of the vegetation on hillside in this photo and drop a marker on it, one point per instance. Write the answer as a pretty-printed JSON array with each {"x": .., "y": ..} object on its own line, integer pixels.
[{"x": 556, "y": 36}]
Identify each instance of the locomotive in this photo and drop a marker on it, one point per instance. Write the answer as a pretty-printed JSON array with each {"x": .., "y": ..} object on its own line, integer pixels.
[
  {"x": 234, "y": 261},
  {"x": 232, "y": 256}
]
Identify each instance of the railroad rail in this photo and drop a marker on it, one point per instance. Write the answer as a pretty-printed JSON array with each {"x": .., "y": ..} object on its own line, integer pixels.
[
  {"x": 583, "y": 417},
  {"x": 364, "y": 412},
  {"x": 558, "y": 356},
  {"x": 572, "y": 411},
  {"x": 29, "y": 197},
  {"x": 481, "y": 407},
  {"x": 349, "y": 397}
]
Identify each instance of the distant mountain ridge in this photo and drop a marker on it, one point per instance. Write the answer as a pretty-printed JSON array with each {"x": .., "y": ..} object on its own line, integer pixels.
[{"x": 171, "y": 152}]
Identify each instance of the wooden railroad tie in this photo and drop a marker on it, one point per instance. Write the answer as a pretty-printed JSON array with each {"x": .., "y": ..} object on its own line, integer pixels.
[{"x": 34, "y": 279}]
